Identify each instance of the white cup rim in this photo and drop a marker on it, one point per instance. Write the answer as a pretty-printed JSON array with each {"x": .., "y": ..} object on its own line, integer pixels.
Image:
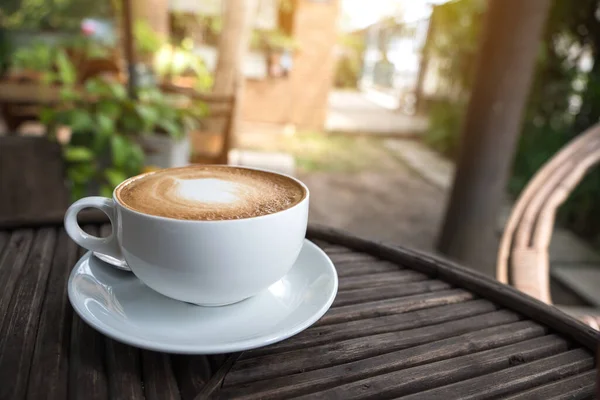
[{"x": 220, "y": 221}]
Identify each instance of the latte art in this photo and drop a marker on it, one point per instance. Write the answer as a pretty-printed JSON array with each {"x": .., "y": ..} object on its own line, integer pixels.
[{"x": 210, "y": 193}]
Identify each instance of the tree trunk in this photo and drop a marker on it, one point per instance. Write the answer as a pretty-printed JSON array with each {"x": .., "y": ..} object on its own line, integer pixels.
[
  {"x": 507, "y": 55},
  {"x": 238, "y": 17}
]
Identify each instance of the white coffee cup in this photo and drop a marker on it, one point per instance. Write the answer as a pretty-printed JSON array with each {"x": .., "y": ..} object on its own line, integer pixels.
[{"x": 202, "y": 262}]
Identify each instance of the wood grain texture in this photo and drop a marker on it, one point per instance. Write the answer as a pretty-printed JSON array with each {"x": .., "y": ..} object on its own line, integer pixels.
[
  {"x": 322, "y": 379},
  {"x": 35, "y": 190},
  {"x": 123, "y": 368},
  {"x": 87, "y": 373},
  {"x": 332, "y": 333},
  {"x": 477, "y": 283},
  {"x": 331, "y": 248},
  {"x": 15, "y": 254},
  {"x": 49, "y": 367},
  {"x": 393, "y": 306},
  {"x": 381, "y": 279},
  {"x": 421, "y": 378},
  {"x": 212, "y": 388},
  {"x": 352, "y": 257},
  {"x": 327, "y": 355},
  {"x": 364, "y": 268},
  {"x": 192, "y": 373},
  {"x": 21, "y": 320},
  {"x": 580, "y": 386},
  {"x": 357, "y": 296},
  {"x": 4, "y": 236},
  {"x": 159, "y": 380},
  {"x": 511, "y": 380}
]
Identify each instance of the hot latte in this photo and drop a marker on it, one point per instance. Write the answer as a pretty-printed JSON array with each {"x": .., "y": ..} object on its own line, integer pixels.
[{"x": 210, "y": 193}]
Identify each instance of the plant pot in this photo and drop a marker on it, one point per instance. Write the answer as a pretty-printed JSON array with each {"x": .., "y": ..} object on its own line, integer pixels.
[{"x": 165, "y": 152}]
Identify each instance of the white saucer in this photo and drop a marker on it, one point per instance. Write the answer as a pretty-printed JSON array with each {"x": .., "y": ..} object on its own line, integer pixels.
[{"x": 120, "y": 306}]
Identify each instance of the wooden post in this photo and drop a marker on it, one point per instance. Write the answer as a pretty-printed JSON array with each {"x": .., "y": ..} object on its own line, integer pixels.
[
  {"x": 127, "y": 33},
  {"x": 238, "y": 16},
  {"x": 424, "y": 64},
  {"x": 510, "y": 42}
]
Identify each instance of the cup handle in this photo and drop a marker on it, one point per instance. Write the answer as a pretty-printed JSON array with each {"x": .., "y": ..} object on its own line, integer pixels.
[{"x": 109, "y": 245}]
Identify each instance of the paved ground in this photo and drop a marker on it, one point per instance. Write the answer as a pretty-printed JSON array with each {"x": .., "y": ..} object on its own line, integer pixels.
[
  {"x": 365, "y": 113},
  {"x": 395, "y": 206}
]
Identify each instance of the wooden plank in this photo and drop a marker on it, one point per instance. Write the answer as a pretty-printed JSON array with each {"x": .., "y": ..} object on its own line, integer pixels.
[
  {"x": 123, "y": 371},
  {"x": 51, "y": 218},
  {"x": 393, "y": 306},
  {"x": 21, "y": 320},
  {"x": 11, "y": 265},
  {"x": 382, "y": 279},
  {"x": 321, "y": 379},
  {"x": 581, "y": 386},
  {"x": 515, "y": 379},
  {"x": 217, "y": 361},
  {"x": 352, "y": 257},
  {"x": 328, "y": 355},
  {"x": 365, "y": 268},
  {"x": 480, "y": 284},
  {"x": 331, "y": 248},
  {"x": 50, "y": 365},
  {"x": 192, "y": 373},
  {"x": 424, "y": 377},
  {"x": 87, "y": 375},
  {"x": 159, "y": 381},
  {"x": 357, "y": 296},
  {"x": 105, "y": 230},
  {"x": 4, "y": 237},
  {"x": 333, "y": 333},
  {"x": 212, "y": 387}
]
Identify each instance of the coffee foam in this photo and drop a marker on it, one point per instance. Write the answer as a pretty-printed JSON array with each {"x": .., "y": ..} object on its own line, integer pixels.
[{"x": 210, "y": 193}]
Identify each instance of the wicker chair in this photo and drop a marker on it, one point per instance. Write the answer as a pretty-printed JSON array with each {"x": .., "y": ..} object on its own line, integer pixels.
[{"x": 523, "y": 258}]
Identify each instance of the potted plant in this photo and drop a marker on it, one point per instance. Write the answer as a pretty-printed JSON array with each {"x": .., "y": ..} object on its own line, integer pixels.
[
  {"x": 279, "y": 50},
  {"x": 113, "y": 136}
]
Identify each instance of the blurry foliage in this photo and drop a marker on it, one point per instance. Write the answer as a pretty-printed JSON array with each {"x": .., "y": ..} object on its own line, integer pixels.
[
  {"x": 553, "y": 115},
  {"x": 46, "y": 59},
  {"x": 105, "y": 124},
  {"x": 349, "y": 64},
  {"x": 147, "y": 41},
  {"x": 453, "y": 47},
  {"x": 50, "y": 14},
  {"x": 273, "y": 40}
]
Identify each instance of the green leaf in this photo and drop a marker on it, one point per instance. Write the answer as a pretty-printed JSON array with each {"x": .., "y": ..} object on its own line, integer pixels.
[
  {"x": 148, "y": 115},
  {"x": 171, "y": 128},
  {"x": 114, "y": 176},
  {"x": 68, "y": 94},
  {"x": 108, "y": 108},
  {"x": 117, "y": 90},
  {"x": 77, "y": 192},
  {"x": 106, "y": 125},
  {"x": 80, "y": 120},
  {"x": 80, "y": 173},
  {"x": 106, "y": 191},
  {"x": 120, "y": 150},
  {"x": 66, "y": 70},
  {"x": 135, "y": 161},
  {"x": 78, "y": 154},
  {"x": 47, "y": 116}
]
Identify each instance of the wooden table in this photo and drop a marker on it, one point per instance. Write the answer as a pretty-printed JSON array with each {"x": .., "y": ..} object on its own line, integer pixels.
[{"x": 404, "y": 325}]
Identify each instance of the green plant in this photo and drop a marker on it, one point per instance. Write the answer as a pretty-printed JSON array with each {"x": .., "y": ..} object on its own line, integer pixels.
[
  {"x": 53, "y": 61},
  {"x": 274, "y": 40},
  {"x": 443, "y": 133},
  {"x": 147, "y": 41},
  {"x": 349, "y": 65},
  {"x": 105, "y": 126},
  {"x": 453, "y": 48},
  {"x": 173, "y": 61}
]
